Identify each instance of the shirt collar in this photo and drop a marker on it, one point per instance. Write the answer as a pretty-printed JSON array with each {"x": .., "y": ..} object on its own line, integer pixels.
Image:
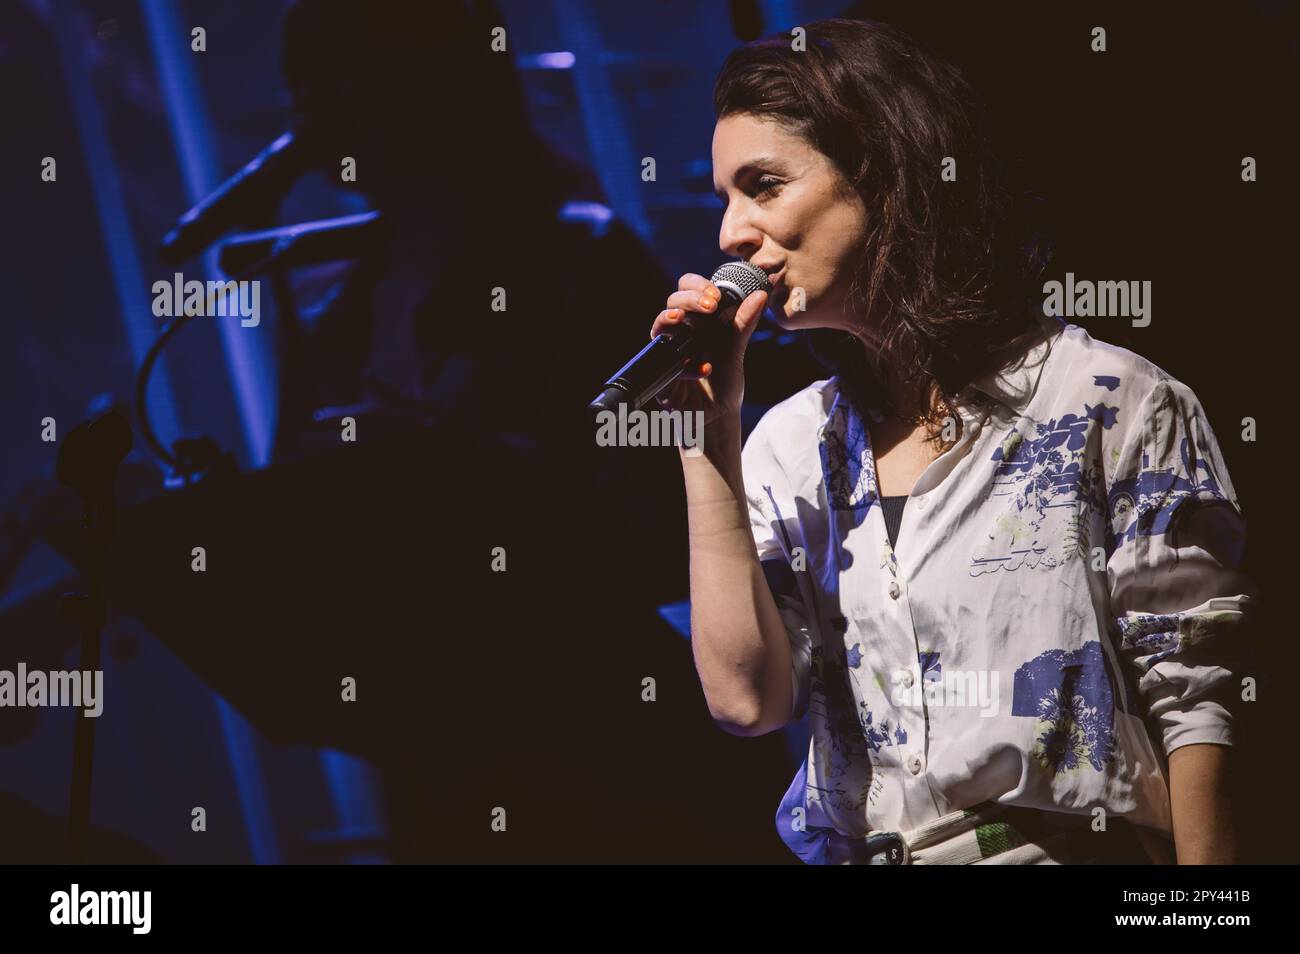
[{"x": 848, "y": 470}]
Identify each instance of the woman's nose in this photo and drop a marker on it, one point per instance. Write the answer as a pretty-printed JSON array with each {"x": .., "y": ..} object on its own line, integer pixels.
[{"x": 738, "y": 237}]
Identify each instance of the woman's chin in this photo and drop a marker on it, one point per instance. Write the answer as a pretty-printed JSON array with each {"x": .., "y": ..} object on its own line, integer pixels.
[{"x": 779, "y": 310}]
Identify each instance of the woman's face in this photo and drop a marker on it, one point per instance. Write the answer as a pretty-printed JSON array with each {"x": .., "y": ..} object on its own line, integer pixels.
[{"x": 790, "y": 212}]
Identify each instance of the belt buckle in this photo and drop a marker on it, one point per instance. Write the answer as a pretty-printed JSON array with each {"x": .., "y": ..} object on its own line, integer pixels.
[{"x": 887, "y": 848}]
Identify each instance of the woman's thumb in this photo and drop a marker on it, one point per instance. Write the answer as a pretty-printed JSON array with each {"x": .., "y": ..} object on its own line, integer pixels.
[{"x": 750, "y": 313}]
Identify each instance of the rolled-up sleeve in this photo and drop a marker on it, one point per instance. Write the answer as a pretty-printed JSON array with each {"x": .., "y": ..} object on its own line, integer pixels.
[
  {"x": 1181, "y": 603},
  {"x": 765, "y": 487}
]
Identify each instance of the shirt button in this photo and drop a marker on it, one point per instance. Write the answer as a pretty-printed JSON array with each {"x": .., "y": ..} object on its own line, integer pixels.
[
  {"x": 894, "y": 589},
  {"x": 914, "y": 765},
  {"x": 907, "y": 680}
]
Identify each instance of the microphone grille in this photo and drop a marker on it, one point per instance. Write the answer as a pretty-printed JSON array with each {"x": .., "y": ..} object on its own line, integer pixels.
[{"x": 744, "y": 277}]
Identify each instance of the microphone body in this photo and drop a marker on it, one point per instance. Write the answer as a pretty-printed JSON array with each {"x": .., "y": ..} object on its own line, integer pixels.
[{"x": 693, "y": 341}]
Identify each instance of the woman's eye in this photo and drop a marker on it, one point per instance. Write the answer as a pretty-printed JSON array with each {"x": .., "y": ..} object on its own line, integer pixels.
[{"x": 766, "y": 185}]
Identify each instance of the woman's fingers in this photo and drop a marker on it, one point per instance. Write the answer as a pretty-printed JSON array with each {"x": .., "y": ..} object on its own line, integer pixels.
[
  {"x": 665, "y": 320},
  {"x": 704, "y": 300}
]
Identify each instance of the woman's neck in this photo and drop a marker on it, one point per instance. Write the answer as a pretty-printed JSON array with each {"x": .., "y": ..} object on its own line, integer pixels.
[{"x": 911, "y": 398}]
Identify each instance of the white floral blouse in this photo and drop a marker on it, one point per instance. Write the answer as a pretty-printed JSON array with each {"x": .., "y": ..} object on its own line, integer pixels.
[{"x": 1063, "y": 610}]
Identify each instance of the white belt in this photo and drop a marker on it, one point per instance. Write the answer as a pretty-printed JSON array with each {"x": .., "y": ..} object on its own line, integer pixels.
[{"x": 983, "y": 834}]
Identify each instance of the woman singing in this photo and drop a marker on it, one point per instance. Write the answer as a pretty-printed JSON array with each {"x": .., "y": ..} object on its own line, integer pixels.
[{"x": 993, "y": 559}]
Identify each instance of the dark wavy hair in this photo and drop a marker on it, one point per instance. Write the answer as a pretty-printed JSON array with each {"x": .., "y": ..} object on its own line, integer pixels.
[{"x": 948, "y": 269}]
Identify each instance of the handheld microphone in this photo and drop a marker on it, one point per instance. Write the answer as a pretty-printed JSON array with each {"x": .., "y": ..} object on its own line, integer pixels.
[{"x": 691, "y": 342}]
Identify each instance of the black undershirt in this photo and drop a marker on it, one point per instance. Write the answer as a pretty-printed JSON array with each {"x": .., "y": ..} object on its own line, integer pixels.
[{"x": 892, "y": 508}]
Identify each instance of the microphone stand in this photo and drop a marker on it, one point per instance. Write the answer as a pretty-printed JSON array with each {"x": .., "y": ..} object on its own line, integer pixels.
[{"x": 87, "y": 462}]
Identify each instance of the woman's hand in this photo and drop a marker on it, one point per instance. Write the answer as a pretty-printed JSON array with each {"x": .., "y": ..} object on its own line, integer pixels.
[{"x": 718, "y": 387}]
